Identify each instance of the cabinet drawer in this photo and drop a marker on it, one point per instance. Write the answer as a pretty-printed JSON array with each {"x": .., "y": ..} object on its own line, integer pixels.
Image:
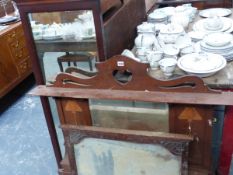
[
  {"x": 24, "y": 66},
  {"x": 20, "y": 54}
]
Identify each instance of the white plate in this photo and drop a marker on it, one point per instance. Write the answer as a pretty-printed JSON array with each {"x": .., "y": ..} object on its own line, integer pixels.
[
  {"x": 227, "y": 25},
  {"x": 227, "y": 54},
  {"x": 202, "y": 65},
  {"x": 220, "y": 48},
  {"x": 215, "y": 12},
  {"x": 183, "y": 41},
  {"x": 196, "y": 35},
  {"x": 218, "y": 39}
]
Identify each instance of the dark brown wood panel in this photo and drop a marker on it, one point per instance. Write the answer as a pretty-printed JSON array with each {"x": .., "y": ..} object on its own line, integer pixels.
[{"x": 195, "y": 120}]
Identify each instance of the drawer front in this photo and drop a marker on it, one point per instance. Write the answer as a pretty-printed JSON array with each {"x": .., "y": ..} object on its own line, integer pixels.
[{"x": 24, "y": 66}]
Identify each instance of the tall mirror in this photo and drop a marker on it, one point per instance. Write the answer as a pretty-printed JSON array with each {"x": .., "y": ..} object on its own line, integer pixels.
[{"x": 62, "y": 36}]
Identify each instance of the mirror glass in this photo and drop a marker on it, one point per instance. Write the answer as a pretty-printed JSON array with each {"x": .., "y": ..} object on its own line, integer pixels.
[
  {"x": 64, "y": 39},
  {"x": 110, "y": 157}
]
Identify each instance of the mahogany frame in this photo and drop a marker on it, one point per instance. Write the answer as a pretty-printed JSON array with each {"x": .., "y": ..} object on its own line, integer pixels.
[
  {"x": 177, "y": 144},
  {"x": 34, "y": 6}
]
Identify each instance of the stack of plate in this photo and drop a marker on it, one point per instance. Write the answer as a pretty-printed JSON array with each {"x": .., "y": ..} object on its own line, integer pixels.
[
  {"x": 218, "y": 43},
  {"x": 158, "y": 17},
  {"x": 207, "y": 25}
]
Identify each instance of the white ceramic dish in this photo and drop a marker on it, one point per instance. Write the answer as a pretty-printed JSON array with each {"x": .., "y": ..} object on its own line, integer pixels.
[
  {"x": 202, "y": 65},
  {"x": 196, "y": 35},
  {"x": 183, "y": 41},
  {"x": 168, "y": 65},
  {"x": 215, "y": 12},
  {"x": 223, "y": 48},
  {"x": 129, "y": 54},
  {"x": 227, "y": 25},
  {"x": 170, "y": 50},
  {"x": 218, "y": 39}
]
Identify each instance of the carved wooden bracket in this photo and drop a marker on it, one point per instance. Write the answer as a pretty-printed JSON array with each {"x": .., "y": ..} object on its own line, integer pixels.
[{"x": 137, "y": 78}]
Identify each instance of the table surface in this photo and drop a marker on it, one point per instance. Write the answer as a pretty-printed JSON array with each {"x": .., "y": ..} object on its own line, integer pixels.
[{"x": 222, "y": 79}]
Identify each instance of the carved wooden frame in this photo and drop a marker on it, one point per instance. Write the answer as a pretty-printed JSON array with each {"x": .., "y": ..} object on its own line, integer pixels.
[
  {"x": 141, "y": 86},
  {"x": 177, "y": 144}
]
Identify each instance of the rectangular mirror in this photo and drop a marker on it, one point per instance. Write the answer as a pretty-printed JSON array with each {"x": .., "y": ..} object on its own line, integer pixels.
[{"x": 61, "y": 34}]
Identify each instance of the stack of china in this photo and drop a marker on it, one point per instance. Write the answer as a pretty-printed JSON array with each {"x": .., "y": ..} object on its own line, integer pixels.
[
  {"x": 218, "y": 43},
  {"x": 170, "y": 32},
  {"x": 214, "y": 24},
  {"x": 158, "y": 16},
  {"x": 52, "y": 32}
]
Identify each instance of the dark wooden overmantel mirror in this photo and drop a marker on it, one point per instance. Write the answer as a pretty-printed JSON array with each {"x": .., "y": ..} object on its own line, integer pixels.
[
  {"x": 61, "y": 32},
  {"x": 191, "y": 105}
]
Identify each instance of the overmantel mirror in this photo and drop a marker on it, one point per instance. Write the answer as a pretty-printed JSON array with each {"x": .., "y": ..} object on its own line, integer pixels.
[{"x": 60, "y": 34}]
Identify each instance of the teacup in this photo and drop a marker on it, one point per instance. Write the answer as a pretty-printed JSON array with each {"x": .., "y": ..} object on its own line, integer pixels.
[
  {"x": 141, "y": 54},
  {"x": 168, "y": 66},
  {"x": 154, "y": 55},
  {"x": 170, "y": 50}
]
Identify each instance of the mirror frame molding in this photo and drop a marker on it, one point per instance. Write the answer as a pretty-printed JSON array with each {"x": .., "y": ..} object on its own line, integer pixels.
[{"x": 34, "y": 6}]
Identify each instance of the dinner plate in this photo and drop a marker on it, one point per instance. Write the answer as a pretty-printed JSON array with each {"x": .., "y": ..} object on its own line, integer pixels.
[
  {"x": 218, "y": 39},
  {"x": 199, "y": 25},
  {"x": 203, "y": 65},
  {"x": 227, "y": 54},
  {"x": 196, "y": 35},
  {"x": 222, "y": 48},
  {"x": 215, "y": 12}
]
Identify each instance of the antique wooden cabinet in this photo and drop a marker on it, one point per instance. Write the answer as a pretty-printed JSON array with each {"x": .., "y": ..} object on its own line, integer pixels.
[{"x": 15, "y": 63}]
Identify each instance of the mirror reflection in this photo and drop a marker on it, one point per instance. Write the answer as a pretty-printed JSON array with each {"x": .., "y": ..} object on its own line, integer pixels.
[{"x": 63, "y": 40}]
